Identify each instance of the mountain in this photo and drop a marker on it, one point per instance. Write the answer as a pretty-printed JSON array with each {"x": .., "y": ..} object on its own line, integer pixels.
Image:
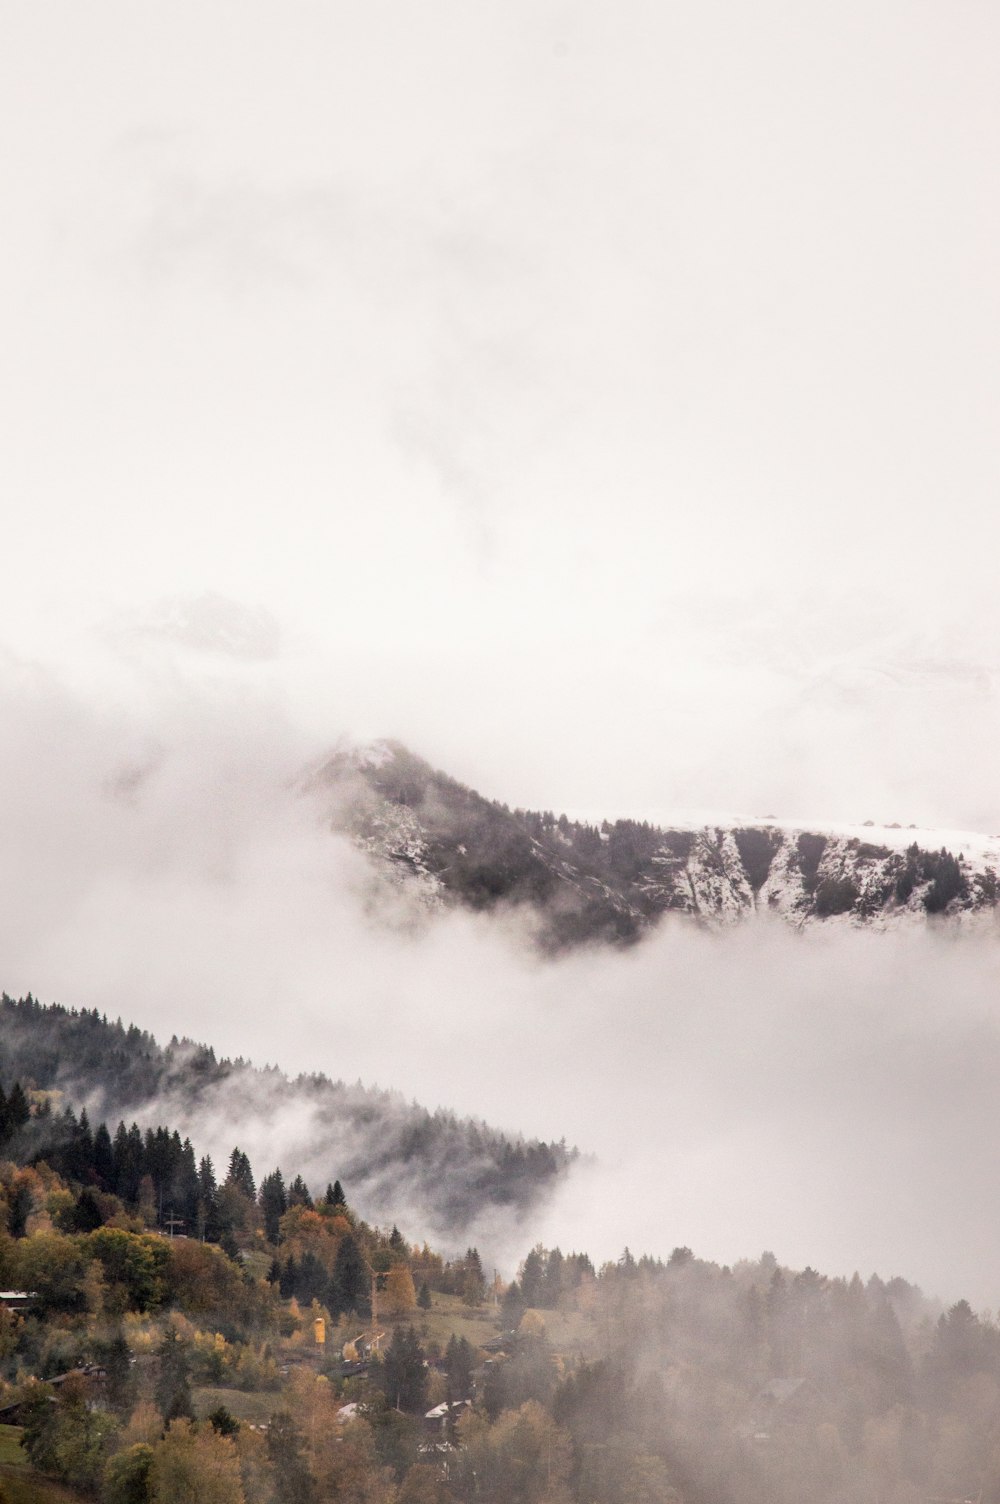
[
  {"x": 613, "y": 881},
  {"x": 388, "y": 1152}
]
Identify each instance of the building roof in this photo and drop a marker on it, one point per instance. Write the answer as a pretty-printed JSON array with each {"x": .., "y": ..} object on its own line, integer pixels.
[{"x": 440, "y": 1411}]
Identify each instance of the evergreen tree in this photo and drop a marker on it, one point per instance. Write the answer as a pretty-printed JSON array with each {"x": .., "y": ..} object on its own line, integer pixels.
[
  {"x": 473, "y": 1283},
  {"x": 404, "y": 1371},
  {"x": 552, "y": 1285},
  {"x": 240, "y": 1175},
  {"x": 86, "y": 1213},
  {"x": 18, "y": 1111},
  {"x": 104, "y": 1165},
  {"x": 273, "y": 1204},
  {"x": 207, "y": 1222},
  {"x": 349, "y": 1283},
  {"x": 532, "y": 1276},
  {"x": 458, "y": 1364},
  {"x": 184, "y": 1184},
  {"x": 173, "y": 1382},
  {"x": 514, "y": 1305},
  {"x": 298, "y": 1193},
  {"x": 312, "y": 1279},
  {"x": 223, "y": 1421},
  {"x": 292, "y": 1481},
  {"x": 289, "y": 1278}
]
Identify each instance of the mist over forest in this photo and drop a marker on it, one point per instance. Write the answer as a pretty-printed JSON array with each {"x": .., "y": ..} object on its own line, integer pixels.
[
  {"x": 499, "y": 698},
  {"x": 826, "y": 1094}
]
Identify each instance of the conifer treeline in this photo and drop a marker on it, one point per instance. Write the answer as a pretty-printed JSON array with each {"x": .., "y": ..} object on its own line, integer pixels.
[
  {"x": 121, "y": 1070},
  {"x": 157, "y": 1176}
]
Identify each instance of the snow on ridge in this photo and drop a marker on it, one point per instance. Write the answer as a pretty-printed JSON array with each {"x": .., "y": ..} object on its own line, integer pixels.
[{"x": 976, "y": 845}]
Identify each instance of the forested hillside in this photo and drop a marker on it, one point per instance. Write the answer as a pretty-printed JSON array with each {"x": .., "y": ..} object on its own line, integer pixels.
[
  {"x": 454, "y": 1169},
  {"x": 171, "y": 1334},
  {"x": 611, "y": 880}
]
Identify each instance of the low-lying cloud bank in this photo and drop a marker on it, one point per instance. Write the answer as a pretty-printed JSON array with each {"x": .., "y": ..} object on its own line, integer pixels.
[{"x": 832, "y": 1096}]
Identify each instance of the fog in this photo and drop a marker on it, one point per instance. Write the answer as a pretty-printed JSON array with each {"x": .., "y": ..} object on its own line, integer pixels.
[
  {"x": 829, "y": 1095},
  {"x": 600, "y": 399}
]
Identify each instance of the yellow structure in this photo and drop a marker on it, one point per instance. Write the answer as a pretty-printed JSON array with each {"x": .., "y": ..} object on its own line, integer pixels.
[{"x": 319, "y": 1331}]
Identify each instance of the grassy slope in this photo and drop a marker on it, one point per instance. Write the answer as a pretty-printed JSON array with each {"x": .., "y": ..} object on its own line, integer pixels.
[{"x": 20, "y": 1484}]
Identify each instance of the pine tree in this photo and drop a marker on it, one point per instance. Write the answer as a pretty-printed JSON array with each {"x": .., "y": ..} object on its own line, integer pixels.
[
  {"x": 532, "y": 1275},
  {"x": 473, "y": 1283},
  {"x": 104, "y": 1165},
  {"x": 289, "y": 1278},
  {"x": 298, "y": 1193},
  {"x": 404, "y": 1371},
  {"x": 173, "y": 1386},
  {"x": 292, "y": 1481},
  {"x": 207, "y": 1204},
  {"x": 349, "y": 1283},
  {"x": 273, "y": 1203},
  {"x": 240, "y": 1174}
]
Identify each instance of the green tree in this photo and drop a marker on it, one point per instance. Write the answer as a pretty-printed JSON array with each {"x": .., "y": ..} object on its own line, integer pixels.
[
  {"x": 404, "y": 1371},
  {"x": 135, "y": 1263},
  {"x": 273, "y": 1204},
  {"x": 298, "y": 1193},
  {"x": 459, "y": 1361},
  {"x": 127, "y": 1476},
  {"x": 473, "y": 1282},
  {"x": 285, "y": 1448},
  {"x": 350, "y": 1281},
  {"x": 240, "y": 1175},
  {"x": 532, "y": 1278},
  {"x": 223, "y": 1421},
  {"x": 64, "y": 1437},
  {"x": 173, "y": 1381}
]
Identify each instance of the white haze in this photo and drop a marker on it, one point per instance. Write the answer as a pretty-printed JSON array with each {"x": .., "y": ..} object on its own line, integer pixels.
[
  {"x": 829, "y": 1095},
  {"x": 600, "y": 396},
  {"x": 602, "y": 399}
]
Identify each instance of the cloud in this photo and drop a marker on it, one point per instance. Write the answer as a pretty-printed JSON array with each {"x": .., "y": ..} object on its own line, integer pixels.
[
  {"x": 208, "y": 623},
  {"x": 830, "y": 1096}
]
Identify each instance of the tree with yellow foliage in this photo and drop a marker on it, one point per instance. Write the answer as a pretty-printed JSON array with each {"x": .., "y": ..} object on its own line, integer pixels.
[
  {"x": 195, "y": 1465},
  {"x": 399, "y": 1295}
]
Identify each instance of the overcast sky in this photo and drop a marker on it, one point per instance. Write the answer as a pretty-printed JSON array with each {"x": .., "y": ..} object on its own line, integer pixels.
[{"x": 600, "y": 397}]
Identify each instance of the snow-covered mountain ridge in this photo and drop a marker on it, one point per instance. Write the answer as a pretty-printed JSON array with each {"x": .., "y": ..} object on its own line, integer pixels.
[{"x": 612, "y": 880}]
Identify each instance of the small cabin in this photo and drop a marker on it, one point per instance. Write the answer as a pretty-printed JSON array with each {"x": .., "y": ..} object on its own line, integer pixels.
[
  {"x": 17, "y": 1300},
  {"x": 436, "y": 1421}
]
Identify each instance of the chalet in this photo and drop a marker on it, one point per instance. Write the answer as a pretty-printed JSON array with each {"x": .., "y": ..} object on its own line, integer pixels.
[
  {"x": 93, "y": 1377},
  {"x": 781, "y": 1402},
  {"x": 438, "y": 1421},
  {"x": 17, "y": 1300}
]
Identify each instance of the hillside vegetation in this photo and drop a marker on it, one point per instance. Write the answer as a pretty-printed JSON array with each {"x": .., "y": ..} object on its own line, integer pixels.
[
  {"x": 239, "y": 1337},
  {"x": 453, "y": 1168},
  {"x": 612, "y": 881}
]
